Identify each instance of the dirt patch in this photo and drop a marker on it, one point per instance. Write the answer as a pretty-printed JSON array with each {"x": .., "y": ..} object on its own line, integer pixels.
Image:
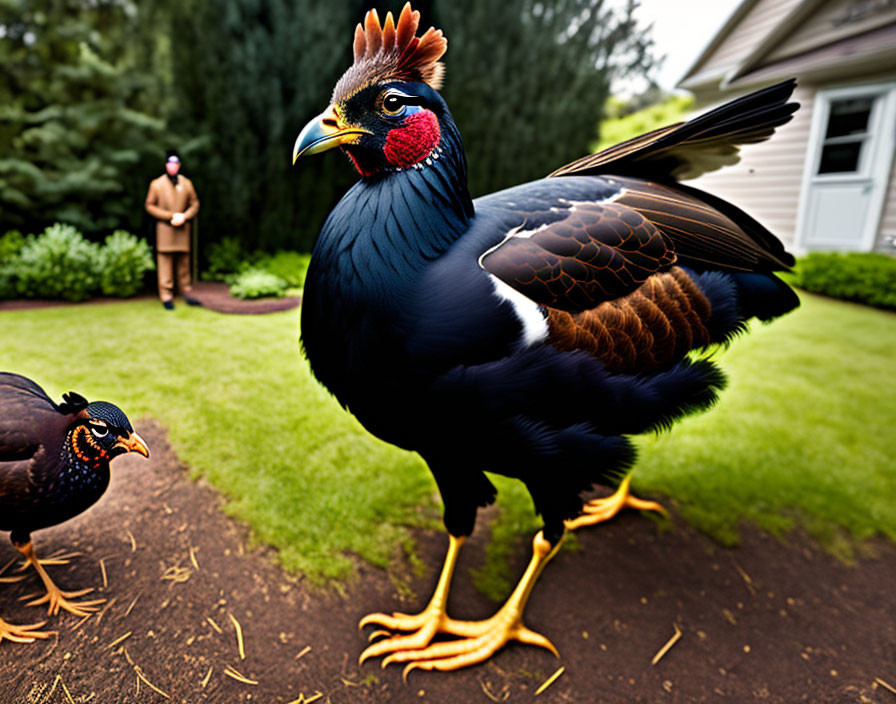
[
  {"x": 216, "y": 296},
  {"x": 212, "y": 294},
  {"x": 768, "y": 621}
]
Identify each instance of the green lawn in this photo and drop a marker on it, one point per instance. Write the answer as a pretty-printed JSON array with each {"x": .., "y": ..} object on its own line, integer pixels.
[{"x": 803, "y": 435}]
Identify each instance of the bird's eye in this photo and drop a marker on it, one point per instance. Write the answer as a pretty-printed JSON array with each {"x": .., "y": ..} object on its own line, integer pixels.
[
  {"x": 99, "y": 431},
  {"x": 393, "y": 104}
]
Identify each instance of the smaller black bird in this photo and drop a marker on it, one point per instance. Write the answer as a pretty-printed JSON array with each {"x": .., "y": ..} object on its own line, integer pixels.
[{"x": 54, "y": 464}]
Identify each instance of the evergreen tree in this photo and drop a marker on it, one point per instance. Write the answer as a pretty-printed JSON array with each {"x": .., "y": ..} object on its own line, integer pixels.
[
  {"x": 75, "y": 131},
  {"x": 527, "y": 80},
  {"x": 247, "y": 75}
]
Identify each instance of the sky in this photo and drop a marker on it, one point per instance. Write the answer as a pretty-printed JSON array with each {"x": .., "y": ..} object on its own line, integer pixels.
[{"x": 681, "y": 30}]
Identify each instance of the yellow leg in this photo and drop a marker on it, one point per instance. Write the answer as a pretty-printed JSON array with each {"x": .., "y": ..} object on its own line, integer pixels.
[
  {"x": 600, "y": 510},
  {"x": 55, "y": 598},
  {"x": 478, "y": 640}
]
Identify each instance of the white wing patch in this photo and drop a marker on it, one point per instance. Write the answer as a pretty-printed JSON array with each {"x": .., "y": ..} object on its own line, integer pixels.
[{"x": 535, "y": 327}]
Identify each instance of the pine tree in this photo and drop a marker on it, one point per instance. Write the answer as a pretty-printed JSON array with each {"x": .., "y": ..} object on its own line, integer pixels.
[
  {"x": 527, "y": 80},
  {"x": 247, "y": 75},
  {"x": 74, "y": 125}
]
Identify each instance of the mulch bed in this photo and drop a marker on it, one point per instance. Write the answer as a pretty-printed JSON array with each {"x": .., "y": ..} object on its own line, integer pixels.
[
  {"x": 770, "y": 621},
  {"x": 213, "y": 295},
  {"x": 216, "y": 296}
]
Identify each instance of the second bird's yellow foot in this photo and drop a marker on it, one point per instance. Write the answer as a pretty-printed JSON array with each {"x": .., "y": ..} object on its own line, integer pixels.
[
  {"x": 477, "y": 640},
  {"x": 57, "y": 599},
  {"x": 26, "y": 633},
  {"x": 600, "y": 510}
]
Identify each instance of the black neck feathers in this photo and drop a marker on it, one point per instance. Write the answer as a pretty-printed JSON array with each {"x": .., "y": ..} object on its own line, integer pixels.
[{"x": 394, "y": 222}]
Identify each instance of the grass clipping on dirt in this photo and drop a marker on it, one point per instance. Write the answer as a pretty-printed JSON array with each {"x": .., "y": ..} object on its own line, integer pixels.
[{"x": 802, "y": 436}]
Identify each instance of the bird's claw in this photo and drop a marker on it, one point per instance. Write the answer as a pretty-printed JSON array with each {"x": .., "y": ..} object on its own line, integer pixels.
[
  {"x": 57, "y": 599},
  {"x": 426, "y": 624},
  {"x": 456, "y": 654},
  {"x": 603, "y": 509},
  {"x": 398, "y": 621},
  {"x": 477, "y": 640},
  {"x": 22, "y": 634}
]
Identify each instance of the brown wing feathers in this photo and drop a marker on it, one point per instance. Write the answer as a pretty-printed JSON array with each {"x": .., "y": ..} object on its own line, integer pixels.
[
  {"x": 686, "y": 150},
  {"x": 598, "y": 252},
  {"x": 645, "y": 331},
  {"x": 704, "y": 228}
]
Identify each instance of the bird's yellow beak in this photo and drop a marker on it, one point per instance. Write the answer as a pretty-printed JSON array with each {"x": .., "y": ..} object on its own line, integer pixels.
[
  {"x": 327, "y": 130},
  {"x": 133, "y": 443}
]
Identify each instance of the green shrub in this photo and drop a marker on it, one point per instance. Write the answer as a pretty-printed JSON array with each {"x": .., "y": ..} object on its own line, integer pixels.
[
  {"x": 257, "y": 283},
  {"x": 617, "y": 129},
  {"x": 59, "y": 263},
  {"x": 123, "y": 261},
  {"x": 7, "y": 281},
  {"x": 226, "y": 258},
  {"x": 863, "y": 277},
  {"x": 10, "y": 245},
  {"x": 289, "y": 266}
]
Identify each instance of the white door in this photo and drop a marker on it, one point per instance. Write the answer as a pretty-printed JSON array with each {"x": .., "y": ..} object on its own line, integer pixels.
[{"x": 847, "y": 167}]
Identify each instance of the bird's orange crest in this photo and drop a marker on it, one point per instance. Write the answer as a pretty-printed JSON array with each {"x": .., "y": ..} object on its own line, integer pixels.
[{"x": 393, "y": 52}]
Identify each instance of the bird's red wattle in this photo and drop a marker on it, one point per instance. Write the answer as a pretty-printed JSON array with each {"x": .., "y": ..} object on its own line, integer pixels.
[{"x": 413, "y": 141}]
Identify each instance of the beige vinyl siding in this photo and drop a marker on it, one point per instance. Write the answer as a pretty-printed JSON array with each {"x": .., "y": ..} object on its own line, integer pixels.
[
  {"x": 827, "y": 25},
  {"x": 887, "y": 229},
  {"x": 749, "y": 32},
  {"x": 766, "y": 182}
]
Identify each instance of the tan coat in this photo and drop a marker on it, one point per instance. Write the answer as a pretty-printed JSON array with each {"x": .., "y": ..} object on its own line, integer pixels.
[{"x": 162, "y": 201}]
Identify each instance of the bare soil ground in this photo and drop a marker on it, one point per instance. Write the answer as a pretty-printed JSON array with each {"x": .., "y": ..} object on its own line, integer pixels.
[{"x": 770, "y": 621}]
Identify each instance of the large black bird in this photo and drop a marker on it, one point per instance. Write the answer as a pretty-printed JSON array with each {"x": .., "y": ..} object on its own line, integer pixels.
[
  {"x": 54, "y": 464},
  {"x": 530, "y": 331}
]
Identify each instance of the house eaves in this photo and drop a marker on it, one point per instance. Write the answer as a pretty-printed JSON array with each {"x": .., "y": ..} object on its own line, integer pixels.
[
  {"x": 868, "y": 53},
  {"x": 690, "y": 81},
  {"x": 800, "y": 13}
]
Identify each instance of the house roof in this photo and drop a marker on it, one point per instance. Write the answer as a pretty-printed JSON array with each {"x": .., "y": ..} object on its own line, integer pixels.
[
  {"x": 874, "y": 50},
  {"x": 739, "y": 12},
  {"x": 813, "y": 37}
]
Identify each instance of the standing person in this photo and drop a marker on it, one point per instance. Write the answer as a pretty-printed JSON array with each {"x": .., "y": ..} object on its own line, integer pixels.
[{"x": 172, "y": 201}]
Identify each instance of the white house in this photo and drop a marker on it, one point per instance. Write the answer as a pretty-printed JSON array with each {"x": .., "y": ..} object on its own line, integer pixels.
[{"x": 826, "y": 180}]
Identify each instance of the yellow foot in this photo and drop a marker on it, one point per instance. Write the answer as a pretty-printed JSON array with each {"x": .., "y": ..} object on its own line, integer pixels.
[
  {"x": 55, "y": 598},
  {"x": 22, "y": 634},
  {"x": 600, "y": 510},
  {"x": 477, "y": 640}
]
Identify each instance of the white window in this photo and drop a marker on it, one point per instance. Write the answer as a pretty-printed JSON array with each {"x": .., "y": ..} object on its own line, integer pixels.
[{"x": 847, "y": 169}]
